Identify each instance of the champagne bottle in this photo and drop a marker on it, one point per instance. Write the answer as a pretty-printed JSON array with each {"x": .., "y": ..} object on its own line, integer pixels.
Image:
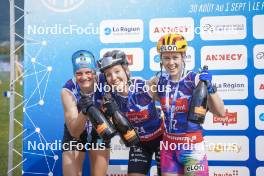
[
  {"x": 198, "y": 106},
  {"x": 127, "y": 132},
  {"x": 103, "y": 127},
  {"x": 100, "y": 123}
]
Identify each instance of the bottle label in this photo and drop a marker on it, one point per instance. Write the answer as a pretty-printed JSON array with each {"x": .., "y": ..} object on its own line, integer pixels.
[
  {"x": 200, "y": 110},
  {"x": 100, "y": 128},
  {"x": 129, "y": 134}
]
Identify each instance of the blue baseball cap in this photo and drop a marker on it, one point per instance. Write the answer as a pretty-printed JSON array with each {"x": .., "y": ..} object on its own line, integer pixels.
[{"x": 83, "y": 59}]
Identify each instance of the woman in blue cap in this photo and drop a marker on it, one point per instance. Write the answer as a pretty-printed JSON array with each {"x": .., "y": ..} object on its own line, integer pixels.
[{"x": 78, "y": 134}]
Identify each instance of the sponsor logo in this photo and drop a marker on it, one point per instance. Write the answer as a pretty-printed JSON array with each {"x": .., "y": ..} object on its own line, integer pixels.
[
  {"x": 224, "y": 147},
  {"x": 224, "y": 57},
  {"x": 130, "y": 59},
  {"x": 181, "y": 104},
  {"x": 107, "y": 31},
  {"x": 228, "y": 171},
  {"x": 233, "y": 173},
  {"x": 232, "y": 86},
  {"x": 259, "y": 117},
  {"x": 193, "y": 168},
  {"x": 138, "y": 116},
  {"x": 121, "y": 31},
  {"x": 84, "y": 60},
  {"x": 259, "y": 86},
  {"x": 223, "y": 27},
  {"x": 236, "y": 118},
  {"x": 258, "y": 32},
  {"x": 135, "y": 57},
  {"x": 259, "y": 56},
  {"x": 171, "y": 29},
  {"x": 229, "y": 118},
  {"x": 229, "y": 148},
  {"x": 160, "y": 26},
  {"x": 62, "y": 5},
  {"x": 164, "y": 48}
]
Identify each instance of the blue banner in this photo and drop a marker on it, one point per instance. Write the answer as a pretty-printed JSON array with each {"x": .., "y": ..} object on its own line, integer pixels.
[{"x": 226, "y": 36}]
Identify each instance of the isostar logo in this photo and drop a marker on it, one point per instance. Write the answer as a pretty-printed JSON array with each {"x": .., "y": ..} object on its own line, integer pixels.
[
  {"x": 224, "y": 57},
  {"x": 135, "y": 57},
  {"x": 229, "y": 118},
  {"x": 160, "y": 26},
  {"x": 181, "y": 104},
  {"x": 232, "y": 86},
  {"x": 223, "y": 28},
  {"x": 259, "y": 56},
  {"x": 121, "y": 31},
  {"x": 259, "y": 86},
  {"x": 257, "y": 21}
]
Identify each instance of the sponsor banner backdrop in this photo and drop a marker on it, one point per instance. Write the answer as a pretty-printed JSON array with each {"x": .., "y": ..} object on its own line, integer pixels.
[{"x": 226, "y": 36}]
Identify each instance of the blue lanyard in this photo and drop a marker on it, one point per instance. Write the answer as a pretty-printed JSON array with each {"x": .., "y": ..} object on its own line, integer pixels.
[
  {"x": 131, "y": 104},
  {"x": 171, "y": 109}
]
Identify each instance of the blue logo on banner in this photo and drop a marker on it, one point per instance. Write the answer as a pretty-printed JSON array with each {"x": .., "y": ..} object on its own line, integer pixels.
[
  {"x": 261, "y": 117},
  {"x": 107, "y": 31},
  {"x": 157, "y": 58}
]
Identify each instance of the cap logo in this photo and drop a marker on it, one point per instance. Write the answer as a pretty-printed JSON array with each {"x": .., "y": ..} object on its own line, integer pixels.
[
  {"x": 166, "y": 48},
  {"x": 83, "y": 60}
]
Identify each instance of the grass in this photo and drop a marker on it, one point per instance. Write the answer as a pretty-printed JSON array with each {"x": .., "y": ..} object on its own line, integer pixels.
[{"x": 4, "y": 126}]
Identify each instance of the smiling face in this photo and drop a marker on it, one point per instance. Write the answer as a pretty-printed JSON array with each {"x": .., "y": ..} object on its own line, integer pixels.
[
  {"x": 116, "y": 77},
  {"x": 173, "y": 63},
  {"x": 85, "y": 78}
]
